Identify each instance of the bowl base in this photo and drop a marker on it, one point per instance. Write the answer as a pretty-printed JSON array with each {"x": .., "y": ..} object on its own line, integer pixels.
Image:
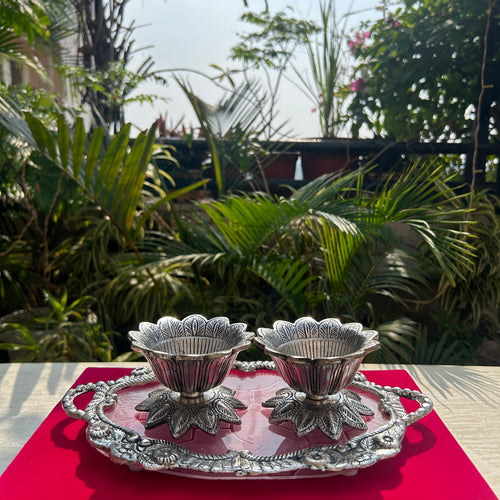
[
  {"x": 328, "y": 414},
  {"x": 166, "y": 406}
]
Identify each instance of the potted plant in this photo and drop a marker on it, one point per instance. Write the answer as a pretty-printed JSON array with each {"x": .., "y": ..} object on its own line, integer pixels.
[
  {"x": 269, "y": 48},
  {"x": 233, "y": 131}
]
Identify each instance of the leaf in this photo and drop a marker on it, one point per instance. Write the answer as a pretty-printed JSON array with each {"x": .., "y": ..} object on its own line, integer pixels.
[
  {"x": 226, "y": 412},
  {"x": 96, "y": 143},
  {"x": 179, "y": 422},
  {"x": 207, "y": 420},
  {"x": 78, "y": 147},
  {"x": 287, "y": 276},
  {"x": 110, "y": 165},
  {"x": 42, "y": 135},
  {"x": 331, "y": 424},
  {"x": 305, "y": 422},
  {"x": 128, "y": 188},
  {"x": 63, "y": 141},
  {"x": 351, "y": 417}
]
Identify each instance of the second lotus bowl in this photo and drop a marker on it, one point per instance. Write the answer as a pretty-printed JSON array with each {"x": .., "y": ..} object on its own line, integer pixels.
[{"x": 317, "y": 358}]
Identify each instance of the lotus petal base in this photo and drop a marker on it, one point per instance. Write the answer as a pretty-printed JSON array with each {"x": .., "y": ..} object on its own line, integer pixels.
[
  {"x": 181, "y": 413},
  {"x": 328, "y": 414}
]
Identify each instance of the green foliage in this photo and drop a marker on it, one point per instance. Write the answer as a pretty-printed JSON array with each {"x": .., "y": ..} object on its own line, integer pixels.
[
  {"x": 115, "y": 86},
  {"x": 397, "y": 339},
  {"x": 274, "y": 41},
  {"x": 331, "y": 249},
  {"x": 443, "y": 350},
  {"x": 146, "y": 289},
  {"x": 67, "y": 172},
  {"x": 475, "y": 300},
  {"x": 86, "y": 216},
  {"x": 270, "y": 48},
  {"x": 25, "y": 17},
  {"x": 324, "y": 87},
  {"x": 232, "y": 130},
  {"x": 67, "y": 331},
  {"x": 421, "y": 69},
  {"x": 31, "y": 20},
  {"x": 108, "y": 171}
]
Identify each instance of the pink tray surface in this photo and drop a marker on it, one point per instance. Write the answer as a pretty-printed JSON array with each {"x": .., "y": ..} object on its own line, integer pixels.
[{"x": 255, "y": 433}]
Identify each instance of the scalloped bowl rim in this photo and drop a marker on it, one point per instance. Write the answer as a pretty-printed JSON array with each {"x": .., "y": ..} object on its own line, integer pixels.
[
  {"x": 370, "y": 342},
  {"x": 192, "y": 357},
  {"x": 244, "y": 342},
  {"x": 319, "y": 360}
]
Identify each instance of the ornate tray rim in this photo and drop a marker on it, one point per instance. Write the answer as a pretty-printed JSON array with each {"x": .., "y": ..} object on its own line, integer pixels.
[{"x": 126, "y": 446}]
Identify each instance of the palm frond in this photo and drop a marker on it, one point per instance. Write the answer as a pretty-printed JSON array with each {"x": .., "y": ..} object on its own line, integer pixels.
[
  {"x": 290, "y": 278},
  {"x": 339, "y": 248},
  {"x": 396, "y": 341},
  {"x": 12, "y": 50},
  {"x": 147, "y": 290},
  {"x": 441, "y": 351},
  {"x": 247, "y": 222},
  {"x": 422, "y": 200},
  {"x": 393, "y": 273},
  {"x": 111, "y": 175},
  {"x": 230, "y": 128}
]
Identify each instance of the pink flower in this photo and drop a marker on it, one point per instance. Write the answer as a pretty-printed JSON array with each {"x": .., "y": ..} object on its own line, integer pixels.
[
  {"x": 358, "y": 39},
  {"x": 313, "y": 110},
  {"x": 393, "y": 22},
  {"x": 358, "y": 85}
]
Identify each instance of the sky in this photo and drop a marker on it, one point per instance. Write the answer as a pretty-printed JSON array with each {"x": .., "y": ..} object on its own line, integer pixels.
[{"x": 193, "y": 34}]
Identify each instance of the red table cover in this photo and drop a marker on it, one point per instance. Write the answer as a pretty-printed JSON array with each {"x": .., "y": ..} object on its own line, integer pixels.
[{"x": 57, "y": 462}]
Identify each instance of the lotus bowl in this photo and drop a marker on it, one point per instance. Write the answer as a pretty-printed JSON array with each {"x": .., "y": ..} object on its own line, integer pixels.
[
  {"x": 319, "y": 358},
  {"x": 192, "y": 355}
]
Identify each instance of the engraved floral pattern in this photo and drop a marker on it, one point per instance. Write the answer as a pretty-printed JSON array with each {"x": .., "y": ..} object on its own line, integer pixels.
[{"x": 191, "y": 357}]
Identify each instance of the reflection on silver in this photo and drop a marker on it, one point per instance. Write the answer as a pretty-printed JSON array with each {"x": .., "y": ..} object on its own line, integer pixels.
[
  {"x": 191, "y": 357},
  {"x": 318, "y": 360},
  {"x": 126, "y": 446}
]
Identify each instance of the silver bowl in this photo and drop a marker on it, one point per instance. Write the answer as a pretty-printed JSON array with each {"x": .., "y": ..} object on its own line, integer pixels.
[
  {"x": 191, "y": 357},
  {"x": 318, "y": 360}
]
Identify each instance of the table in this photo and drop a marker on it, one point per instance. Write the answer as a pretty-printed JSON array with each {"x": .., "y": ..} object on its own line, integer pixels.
[{"x": 466, "y": 398}]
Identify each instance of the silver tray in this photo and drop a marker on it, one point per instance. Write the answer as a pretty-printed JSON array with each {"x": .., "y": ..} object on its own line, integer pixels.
[{"x": 254, "y": 448}]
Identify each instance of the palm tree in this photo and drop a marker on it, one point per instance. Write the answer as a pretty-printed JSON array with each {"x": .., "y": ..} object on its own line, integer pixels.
[
  {"x": 102, "y": 182},
  {"x": 331, "y": 249}
]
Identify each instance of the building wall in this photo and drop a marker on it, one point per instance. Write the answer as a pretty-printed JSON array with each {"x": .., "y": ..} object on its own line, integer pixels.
[{"x": 13, "y": 73}]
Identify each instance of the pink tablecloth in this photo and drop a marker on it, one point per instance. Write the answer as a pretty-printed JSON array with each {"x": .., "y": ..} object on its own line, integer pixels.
[{"x": 57, "y": 462}]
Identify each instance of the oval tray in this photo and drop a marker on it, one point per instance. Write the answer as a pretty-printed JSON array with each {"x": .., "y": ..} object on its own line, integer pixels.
[{"x": 254, "y": 448}]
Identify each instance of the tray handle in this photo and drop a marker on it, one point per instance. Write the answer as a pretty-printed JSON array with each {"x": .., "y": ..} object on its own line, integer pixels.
[
  {"x": 424, "y": 401},
  {"x": 68, "y": 401}
]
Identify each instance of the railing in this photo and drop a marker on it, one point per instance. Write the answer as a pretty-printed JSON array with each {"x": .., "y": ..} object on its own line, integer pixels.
[{"x": 385, "y": 154}]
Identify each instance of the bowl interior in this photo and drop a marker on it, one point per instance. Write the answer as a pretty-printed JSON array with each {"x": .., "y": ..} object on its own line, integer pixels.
[
  {"x": 191, "y": 345},
  {"x": 320, "y": 348}
]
